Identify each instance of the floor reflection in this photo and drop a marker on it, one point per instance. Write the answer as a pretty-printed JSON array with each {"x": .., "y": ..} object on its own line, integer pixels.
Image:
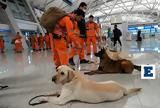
[{"x": 29, "y": 74}]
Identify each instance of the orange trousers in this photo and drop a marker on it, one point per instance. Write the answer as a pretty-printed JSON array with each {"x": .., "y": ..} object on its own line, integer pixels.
[
  {"x": 41, "y": 45},
  {"x": 60, "y": 52},
  {"x": 47, "y": 44},
  {"x": 91, "y": 40},
  {"x": 35, "y": 46},
  {"x": 1, "y": 45},
  {"x": 75, "y": 50}
]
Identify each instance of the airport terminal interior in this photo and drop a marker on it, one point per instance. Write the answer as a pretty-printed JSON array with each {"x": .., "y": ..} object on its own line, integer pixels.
[{"x": 32, "y": 50}]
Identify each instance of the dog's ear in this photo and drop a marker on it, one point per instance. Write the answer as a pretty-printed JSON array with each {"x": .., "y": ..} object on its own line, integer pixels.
[
  {"x": 106, "y": 47},
  {"x": 71, "y": 75},
  {"x": 56, "y": 70},
  {"x": 103, "y": 50}
]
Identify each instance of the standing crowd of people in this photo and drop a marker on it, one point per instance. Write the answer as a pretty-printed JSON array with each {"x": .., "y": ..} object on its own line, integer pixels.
[
  {"x": 39, "y": 42},
  {"x": 68, "y": 38},
  {"x": 72, "y": 30}
]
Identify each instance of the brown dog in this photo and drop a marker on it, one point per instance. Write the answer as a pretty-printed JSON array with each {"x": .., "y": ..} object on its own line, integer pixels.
[{"x": 108, "y": 65}]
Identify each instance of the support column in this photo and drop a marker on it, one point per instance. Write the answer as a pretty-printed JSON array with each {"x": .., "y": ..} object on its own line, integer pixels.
[
  {"x": 124, "y": 30},
  {"x": 35, "y": 18}
]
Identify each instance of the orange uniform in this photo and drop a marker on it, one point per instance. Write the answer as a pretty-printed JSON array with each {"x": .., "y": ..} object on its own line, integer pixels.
[
  {"x": 47, "y": 41},
  {"x": 1, "y": 44},
  {"x": 32, "y": 39},
  {"x": 18, "y": 43},
  {"x": 75, "y": 50},
  {"x": 92, "y": 30},
  {"x": 34, "y": 42},
  {"x": 41, "y": 42},
  {"x": 59, "y": 43}
]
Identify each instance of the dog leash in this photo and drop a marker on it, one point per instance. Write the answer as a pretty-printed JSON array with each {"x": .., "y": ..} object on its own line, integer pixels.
[
  {"x": 40, "y": 102},
  {"x": 3, "y": 87}
]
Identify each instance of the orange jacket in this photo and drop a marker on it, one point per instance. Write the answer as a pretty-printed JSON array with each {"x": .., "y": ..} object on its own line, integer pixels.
[
  {"x": 67, "y": 26},
  {"x": 76, "y": 30},
  {"x": 41, "y": 39},
  {"x": 32, "y": 39},
  {"x": 1, "y": 43},
  {"x": 17, "y": 37},
  {"x": 36, "y": 39},
  {"x": 46, "y": 38},
  {"x": 92, "y": 28}
]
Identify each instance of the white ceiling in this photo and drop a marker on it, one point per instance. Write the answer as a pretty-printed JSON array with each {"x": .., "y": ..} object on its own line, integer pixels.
[{"x": 128, "y": 10}]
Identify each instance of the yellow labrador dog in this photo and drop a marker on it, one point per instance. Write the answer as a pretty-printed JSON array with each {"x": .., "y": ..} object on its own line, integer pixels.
[{"x": 76, "y": 87}]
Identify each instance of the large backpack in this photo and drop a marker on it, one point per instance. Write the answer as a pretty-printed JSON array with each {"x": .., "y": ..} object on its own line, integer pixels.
[{"x": 50, "y": 17}]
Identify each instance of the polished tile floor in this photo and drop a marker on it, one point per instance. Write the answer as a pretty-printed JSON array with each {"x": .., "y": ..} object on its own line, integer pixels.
[{"x": 29, "y": 74}]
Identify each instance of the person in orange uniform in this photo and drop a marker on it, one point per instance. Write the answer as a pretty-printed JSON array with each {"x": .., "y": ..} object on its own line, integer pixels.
[
  {"x": 1, "y": 44},
  {"x": 35, "y": 42},
  {"x": 47, "y": 41},
  {"x": 41, "y": 42},
  {"x": 32, "y": 40},
  {"x": 59, "y": 46},
  {"x": 92, "y": 34},
  {"x": 18, "y": 43},
  {"x": 75, "y": 50}
]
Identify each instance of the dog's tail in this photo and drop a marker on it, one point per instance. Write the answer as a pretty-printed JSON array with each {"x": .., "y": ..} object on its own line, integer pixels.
[
  {"x": 137, "y": 67},
  {"x": 133, "y": 90}
]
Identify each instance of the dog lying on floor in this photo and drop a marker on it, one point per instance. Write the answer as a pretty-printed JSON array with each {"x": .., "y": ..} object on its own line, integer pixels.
[
  {"x": 76, "y": 87},
  {"x": 108, "y": 65}
]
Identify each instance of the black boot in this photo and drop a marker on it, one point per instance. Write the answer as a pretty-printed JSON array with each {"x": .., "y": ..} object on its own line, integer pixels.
[
  {"x": 71, "y": 62},
  {"x": 84, "y": 61}
]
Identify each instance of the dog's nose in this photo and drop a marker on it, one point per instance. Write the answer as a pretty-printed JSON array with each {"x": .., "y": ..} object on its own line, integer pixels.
[{"x": 54, "y": 79}]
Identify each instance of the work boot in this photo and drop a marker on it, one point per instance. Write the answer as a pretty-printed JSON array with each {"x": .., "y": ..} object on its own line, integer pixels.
[
  {"x": 71, "y": 62},
  {"x": 84, "y": 61}
]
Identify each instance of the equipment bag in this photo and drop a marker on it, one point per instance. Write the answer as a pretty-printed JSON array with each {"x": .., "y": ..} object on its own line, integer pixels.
[{"x": 50, "y": 18}]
